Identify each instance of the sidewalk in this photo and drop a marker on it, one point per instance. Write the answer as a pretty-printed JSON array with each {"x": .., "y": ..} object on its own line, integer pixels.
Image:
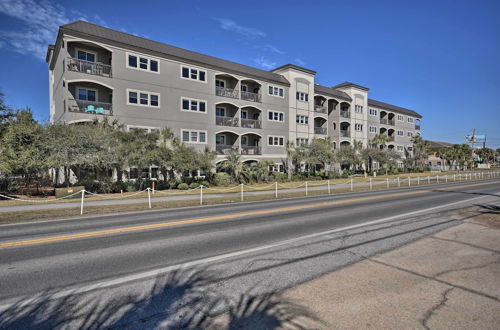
[{"x": 449, "y": 280}]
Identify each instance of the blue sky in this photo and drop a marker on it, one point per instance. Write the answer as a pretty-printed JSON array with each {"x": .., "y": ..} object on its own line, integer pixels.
[{"x": 440, "y": 58}]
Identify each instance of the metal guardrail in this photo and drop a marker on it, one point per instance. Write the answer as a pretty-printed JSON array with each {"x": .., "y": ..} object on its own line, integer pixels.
[
  {"x": 226, "y": 121},
  {"x": 251, "y": 123},
  {"x": 320, "y": 130},
  {"x": 94, "y": 68},
  {"x": 344, "y": 133},
  {"x": 92, "y": 107},
  {"x": 345, "y": 114},
  {"x": 251, "y": 150},
  {"x": 226, "y": 92},
  {"x": 320, "y": 108},
  {"x": 254, "y": 97},
  {"x": 224, "y": 149}
]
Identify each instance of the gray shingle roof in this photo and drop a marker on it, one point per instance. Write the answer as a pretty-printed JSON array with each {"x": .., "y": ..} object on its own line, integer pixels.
[
  {"x": 394, "y": 108},
  {"x": 296, "y": 67},
  {"x": 331, "y": 92},
  {"x": 350, "y": 84},
  {"x": 100, "y": 33}
]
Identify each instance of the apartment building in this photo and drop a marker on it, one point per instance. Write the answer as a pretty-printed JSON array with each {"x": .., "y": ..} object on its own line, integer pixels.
[{"x": 210, "y": 102}]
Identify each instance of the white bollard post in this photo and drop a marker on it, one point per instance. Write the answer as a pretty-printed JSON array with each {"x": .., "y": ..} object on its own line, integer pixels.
[
  {"x": 328, "y": 187},
  {"x": 352, "y": 188},
  {"x": 121, "y": 192},
  {"x": 428, "y": 179},
  {"x": 201, "y": 195},
  {"x": 409, "y": 182},
  {"x": 306, "y": 188},
  {"x": 241, "y": 189},
  {"x": 399, "y": 183},
  {"x": 387, "y": 180},
  {"x": 437, "y": 178},
  {"x": 371, "y": 186},
  {"x": 446, "y": 178},
  {"x": 418, "y": 180},
  {"x": 276, "y": 190},
  {"x": 454, "y": 178},
  {"x": 81, "y": 204},
  {"x": 149, "y": 197}
]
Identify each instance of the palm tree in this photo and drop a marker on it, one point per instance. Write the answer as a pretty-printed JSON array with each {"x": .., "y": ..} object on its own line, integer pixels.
[
  {"x": 420, "y": 150},
  {"x": 232, "y": 165},
  {"x": 379, "y": 140},
  {"x": 290, "y": 149}
]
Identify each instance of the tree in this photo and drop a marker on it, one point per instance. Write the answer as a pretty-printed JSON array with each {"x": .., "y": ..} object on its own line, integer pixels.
[
  {"x": 321, "y": 153},
  {"x": 231, "y": 165},
  {"x": 290, "y": 167},
  {"x": 6, "y": 112},
  {"x": 420, "y": 151},
  {"x": 486, "y": 154}
]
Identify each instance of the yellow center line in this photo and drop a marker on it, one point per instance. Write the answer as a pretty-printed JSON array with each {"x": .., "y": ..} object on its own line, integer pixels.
[{"x": 219, "y": 217}]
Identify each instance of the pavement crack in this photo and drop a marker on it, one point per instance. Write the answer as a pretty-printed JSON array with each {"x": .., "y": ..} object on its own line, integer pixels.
[
  {"x": 466, "y": 268},
  {"x": 465, "y": 243},
  {"x": 433, "y": 310}
]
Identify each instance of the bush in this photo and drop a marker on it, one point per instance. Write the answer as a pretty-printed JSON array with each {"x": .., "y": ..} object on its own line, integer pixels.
[
  {"x": 182, "y": 186},
  {"x": 194, "y": 185},
  {"x": 221, "y": 179},
  {"x": 278, "y": 176},
  {"x": 205, "y": 183}
]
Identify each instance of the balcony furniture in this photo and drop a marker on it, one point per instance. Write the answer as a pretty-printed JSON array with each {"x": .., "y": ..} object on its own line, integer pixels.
[
  {"x": 100, "y": 111},
  {"x": 90, "y": 108},
  {"x": 99, "y": 108},
  {"x": 251, "y": 123}
]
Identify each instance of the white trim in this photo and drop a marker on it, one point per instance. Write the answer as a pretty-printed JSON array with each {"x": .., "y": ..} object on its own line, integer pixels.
[
  {"x": 198, "y": 136},
  {"x": 89, "y": 89},
  {"x": 224, "y": 131},
  {"x": 138, "y": 104},
  {"x": 191, "y": 67},
  {"x": 275, "y": 86},
  {"x": 278, "y": 112},
  {"x": 198, "y": 105},
  {"x": 89, "y": 80},
  {"x": 149, "y": 128},
  {"x": 138, "y": 68},
  {"x": 86, "y": 51},
  {"x": 275, "y": 145},
  {"x": 251, "y": 133},
  {"x": 75, "y": 39},
  {"x": 76, "y": 121}
]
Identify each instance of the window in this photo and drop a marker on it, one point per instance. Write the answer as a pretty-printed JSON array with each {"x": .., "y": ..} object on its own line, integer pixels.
[
  {"x": 410, "y": 134},
  {"x": 410, "y": 148},
  {"x": 220, "y": 112},
  {"x": 143, "y": 63},
  {"x": 146, "y": 129},
  {"x": 134, "y": 173},
  {"x": 275, "y": 140},
  {"x": 85, "y": 94},
  {"x": 358, "y": 127},
  {"x": 276, "y": 116},
  {"x": 373, "y": 129},
  {"x": 146, "y": 99},
  {"x": 188, "y": 104},
  {"x": 401, "y": 133},
  {"x": 86, "y": 56},
  {"x": 373, "y": 112},
  {"x": 301, "y": 142},
  {"x": 358, "y": 108},
  {"x": 276, "y": 91},
  {"x": 220, "y": 83},
  {"x": 194, "y": 136},
  {"x": 276, "y": 168},
  {"x": 300, "y": 119},
  {"x": 193, "y": 73},
  {"x": 220, "y": 139},
  {"x": 401, "y": 117},
  {"x": 410, "y": 120},
  {"x": 302, "y": 96}
]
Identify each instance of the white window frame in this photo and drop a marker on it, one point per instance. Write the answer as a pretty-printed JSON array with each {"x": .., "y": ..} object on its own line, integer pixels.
[
  {"x": 149, "y": 128},
  {"x": 139, "y": 99},
  {"x": 373, "y": 112},
  {"x": 88, "y": 89},
  {"x": 409, "y": 134},
  {"x": 276, "y": 112},
  {"x": 149, "y": 58},
  {"x": 410, "y": 120},
  {"x": 302, "y": 96},
  {"x": 372, "y": 129},
  {"x": 274, "y": 88},
  {"x": 358, "y": 108},
  {"x": 401, "y": 118},
  {"x": 276, "y": 137},
  {"x": 402, "y": 133},
  {"x": 86, "y": 51},
  {"x": 360, "y": 126},
  {"x": 198, "y": 75},
  {"x": 298, "y": 142},
  {"x": 219, "y": 79},
  {"x": 197, "y": 131},
  {"x": 197, "y": 105},
  {"x": 302, "y": 119}
]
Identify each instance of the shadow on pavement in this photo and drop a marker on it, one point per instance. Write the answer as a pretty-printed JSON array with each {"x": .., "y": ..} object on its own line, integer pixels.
[
  {"x": 465, "y": 192},
  {"x": 179, "y": 300}
]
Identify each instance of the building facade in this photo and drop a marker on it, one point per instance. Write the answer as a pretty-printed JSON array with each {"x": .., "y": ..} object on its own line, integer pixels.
[{"x": 210, "y": 102}]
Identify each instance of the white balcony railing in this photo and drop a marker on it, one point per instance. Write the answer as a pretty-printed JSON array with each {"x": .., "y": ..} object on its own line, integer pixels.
[
  {"x": 251, "y": 123},
  {"x": 250, "y": 150},
  {"x": 226, "y": 121},
  {"x": 345, "y": 113},
  {"x": 224, "y": 149},
  {"x": 254, "y": 97},
  {"x": 320, "y": 130},
  {"x": 345, "y": 133},
  {"x": 97, "y": 69},
  {"x": 226, "y": 92}
]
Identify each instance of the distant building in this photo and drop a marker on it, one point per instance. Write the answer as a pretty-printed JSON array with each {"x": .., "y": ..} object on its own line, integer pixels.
[{"x": 433, "y": 160}]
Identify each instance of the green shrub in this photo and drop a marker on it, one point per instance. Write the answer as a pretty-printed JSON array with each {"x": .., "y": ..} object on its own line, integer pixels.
[
  {"x": 205, "y": 183},
  {"x": 194, "y": 185},
  {"x": 221, "y": 179},
  {"x": 278, "y": 176},
  {"x": 182, "y": 186}
]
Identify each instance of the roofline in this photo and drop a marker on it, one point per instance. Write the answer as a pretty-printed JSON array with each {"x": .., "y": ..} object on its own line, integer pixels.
[
  {"x": 350, "y": 84},
  {"x": 346, "y": 98},
  {"x": 296, "y": 67},
  {"x": 65, "y": 30},
  {"x": 395, "y": 108},
  {"x": 50, "y": 49}
]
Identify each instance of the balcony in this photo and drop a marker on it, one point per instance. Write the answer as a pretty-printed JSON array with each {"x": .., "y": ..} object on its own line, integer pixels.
[
  {"x": 320, "y": 108},
  {"x": 227, "y": 92},
  {"x": 91, "y": 107},
  {"x": 224, "y": 149},
  {"x": 383, "y": 121},
  {"x": 93, "y": 68},
  {"x": 320, "y": 130},
  {"x": 254, "y": 97},
  {"x": 344, "y": 133},
  {"x": 251, "y": 123},
  {"x": 417, "y": 126},
  {"x": 251, "y": 150},
  {"x": 226, "y": 121},
  {"x": 345, "y": 114},
  {"x": 391, "y": 122}
]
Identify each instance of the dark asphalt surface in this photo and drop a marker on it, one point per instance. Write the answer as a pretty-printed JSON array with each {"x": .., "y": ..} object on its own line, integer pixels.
[{"x": 34, "y": 269}]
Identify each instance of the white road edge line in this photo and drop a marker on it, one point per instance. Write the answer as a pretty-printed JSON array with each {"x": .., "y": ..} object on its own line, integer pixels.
[{"x": 156, "y": 272}]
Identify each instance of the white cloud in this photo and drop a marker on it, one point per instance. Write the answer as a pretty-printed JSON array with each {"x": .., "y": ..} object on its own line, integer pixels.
[
  {"x": 265, "y": 63},
  {"x": 273, "y": 49},
  {"x": 230, "y": 25},
  {"x": 299, "y": 61},
  {"x": 40, "y": 22}
]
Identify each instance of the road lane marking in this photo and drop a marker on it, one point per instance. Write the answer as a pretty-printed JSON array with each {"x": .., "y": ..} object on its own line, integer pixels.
[
  {"x": 122, "y": 230},
  {"x": 218, "y": 258}
]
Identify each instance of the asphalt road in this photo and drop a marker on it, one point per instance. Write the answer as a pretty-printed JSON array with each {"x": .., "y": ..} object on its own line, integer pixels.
[{"x": 119, "y": 253}]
